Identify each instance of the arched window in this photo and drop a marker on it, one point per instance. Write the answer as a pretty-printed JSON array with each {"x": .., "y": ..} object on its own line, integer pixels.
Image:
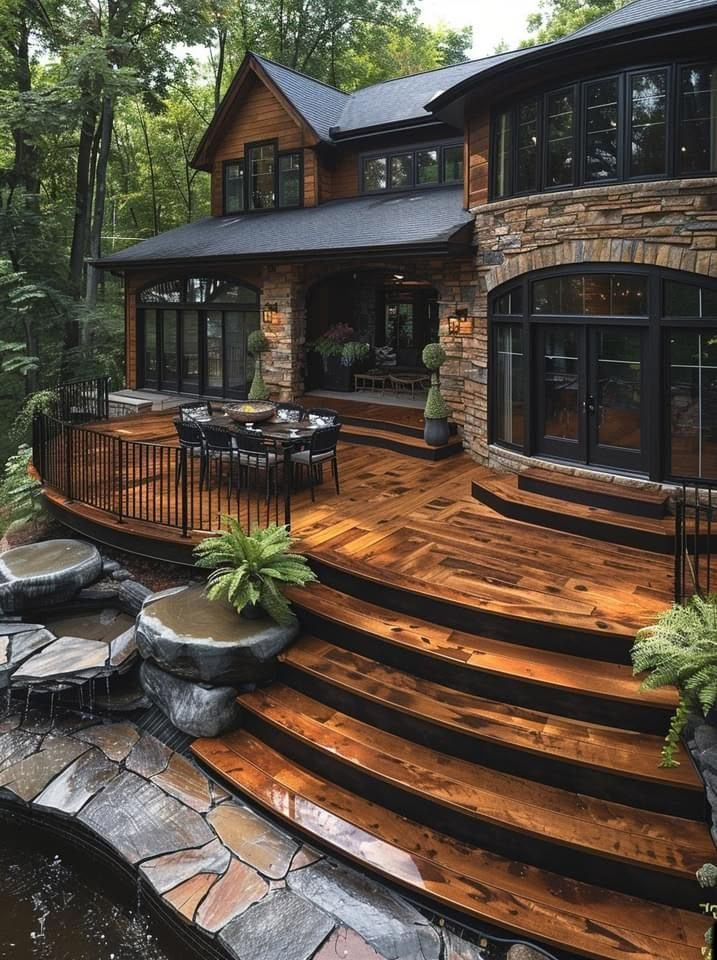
[
  {"x": 608, "y": 367},
  {"x": 192, "y": 335}
]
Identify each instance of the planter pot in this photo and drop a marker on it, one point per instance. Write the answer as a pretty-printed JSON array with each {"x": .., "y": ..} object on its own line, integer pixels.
[
  {"x": 253, "y": 611},
  {"x": 436, "y": 432},
  {"x": 337, "y": 376}
]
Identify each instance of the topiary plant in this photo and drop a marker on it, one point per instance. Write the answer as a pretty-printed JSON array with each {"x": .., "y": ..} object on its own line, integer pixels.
[
  {"x": 434, "y": 356},
  {"x": 258, "y": 343},
  {"x": 249, "y": 568},
  {"x": 681, "y": 649}
]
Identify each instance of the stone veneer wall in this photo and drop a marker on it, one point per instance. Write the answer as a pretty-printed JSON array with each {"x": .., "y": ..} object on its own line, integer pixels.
[{"x": 667, "y": 223}]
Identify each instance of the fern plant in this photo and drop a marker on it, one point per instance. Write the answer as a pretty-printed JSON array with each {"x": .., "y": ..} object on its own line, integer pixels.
[
  {"x": 20, "y": 500},
  {"x": 681, "y": 649},
  {"x": 250, "y": 568}
]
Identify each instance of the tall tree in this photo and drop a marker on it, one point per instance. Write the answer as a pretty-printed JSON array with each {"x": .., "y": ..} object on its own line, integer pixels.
[{"x": 557, "y": 18}]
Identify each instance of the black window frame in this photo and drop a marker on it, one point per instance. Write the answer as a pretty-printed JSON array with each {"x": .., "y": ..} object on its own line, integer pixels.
[
  {"x": 229, "y": 163},
  {"x": 289, "y": 153},
  {"x": 402, "y": 151},
  {"x": 673, "y": 70},
  {"x": 245, "y": 161}
]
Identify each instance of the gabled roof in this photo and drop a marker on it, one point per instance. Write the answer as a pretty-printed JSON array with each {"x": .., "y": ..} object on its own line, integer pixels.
[
  {"x": 428, "y": 220},
  {"x": 319, "y": 103}
]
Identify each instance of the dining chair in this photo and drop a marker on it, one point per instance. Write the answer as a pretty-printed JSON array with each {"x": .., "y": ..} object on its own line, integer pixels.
[
  {"x": 258, "y": 453},
  {"x": 324, "y": 413},
  {"x": 219, "y": 446},
  {"x": 191, "y": 440},
  {"x": 321, "y": 450},
  {"x": 196, "y": 408}
]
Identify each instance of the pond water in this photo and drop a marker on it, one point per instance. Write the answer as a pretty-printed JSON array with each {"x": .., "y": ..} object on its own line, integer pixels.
[{"x": 49, "y": 912}]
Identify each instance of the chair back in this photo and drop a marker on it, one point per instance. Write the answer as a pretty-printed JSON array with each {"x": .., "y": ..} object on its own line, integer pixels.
[
  {"x": 188, "y": 432},
  {"x": 324, "y": 439},
  {"x": 325, "y": 413},
  {"x": 217, "y": 437},
  {"x": 253, "y": 443},
  {"x": 197, "y": 408},
  {"x": 292, "y": 408}
]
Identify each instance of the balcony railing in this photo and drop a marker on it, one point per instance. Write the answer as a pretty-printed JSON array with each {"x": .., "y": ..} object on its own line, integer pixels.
[
  {"x": 157, "y": 483},
  {"x": 695, "y": 541},
  {"x": 82, "y": 401}
]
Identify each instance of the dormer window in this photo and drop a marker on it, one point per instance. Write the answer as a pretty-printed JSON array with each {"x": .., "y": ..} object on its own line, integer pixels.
[
  {"x": 422, "y": 167},
  {"x": 234, "y": 186},
  {"x": 262, "y": 174},
  {"x": 263, "y": 179}
]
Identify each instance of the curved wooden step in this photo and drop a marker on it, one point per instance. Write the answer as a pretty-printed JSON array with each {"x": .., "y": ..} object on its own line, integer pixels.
[
  {"x": 601, "y": 761},
  {"x": 582, "y": 918},
  {"x": 657, "y": 855},
  {"x": 502, "y": 494},
  {"x": 593, "y": 690},
  {"x": 638, "y": 501},
  {"x": 410, "y": 445}
]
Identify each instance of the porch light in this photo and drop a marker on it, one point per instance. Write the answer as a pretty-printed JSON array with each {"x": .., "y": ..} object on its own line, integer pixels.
[
  {"x": 459, "y": 322},
  {"x": 268, "y": 312}
]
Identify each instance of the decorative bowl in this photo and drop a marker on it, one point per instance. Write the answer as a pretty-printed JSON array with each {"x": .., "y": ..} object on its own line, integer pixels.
[{"x": 250, "y": 411}]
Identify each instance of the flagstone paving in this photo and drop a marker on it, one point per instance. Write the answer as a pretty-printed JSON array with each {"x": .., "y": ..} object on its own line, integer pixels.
[{"x": 243, "y": 883}]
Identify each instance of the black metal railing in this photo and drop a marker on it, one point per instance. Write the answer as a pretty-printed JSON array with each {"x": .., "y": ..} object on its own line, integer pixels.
[
  {"x": 695, "y": 540},
  {"x": 81, "y": 401},
  {"x": 156, "y": 483}
]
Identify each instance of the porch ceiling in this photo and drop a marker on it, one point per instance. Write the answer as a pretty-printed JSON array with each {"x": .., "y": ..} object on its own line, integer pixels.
[{"x": 420, "y": 221}]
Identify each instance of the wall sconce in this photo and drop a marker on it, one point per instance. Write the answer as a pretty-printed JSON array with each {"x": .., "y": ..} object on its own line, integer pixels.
[
  {"x": 268, "y": 311},
  {"x": 459, "y": 322}
]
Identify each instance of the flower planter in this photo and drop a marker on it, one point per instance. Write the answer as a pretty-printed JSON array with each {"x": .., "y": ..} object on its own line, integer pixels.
[{"x": 436, "y": 432}]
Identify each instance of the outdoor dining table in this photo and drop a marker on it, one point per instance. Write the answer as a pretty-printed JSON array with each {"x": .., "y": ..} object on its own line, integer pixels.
[{"x": 288, "y": 433}]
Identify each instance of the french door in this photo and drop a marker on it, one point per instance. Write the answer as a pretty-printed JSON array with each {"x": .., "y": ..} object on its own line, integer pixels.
[{"x": 589, "y": 381}]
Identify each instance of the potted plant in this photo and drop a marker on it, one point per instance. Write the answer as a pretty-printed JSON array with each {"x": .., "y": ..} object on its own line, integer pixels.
[
  {"x": 249, "y": 569},
  {"x": 681, "y": 649},
  {"x": 258, "y": 343},
  {"x": 341, "y": 355},
  {"x": 437, "y": 411}
]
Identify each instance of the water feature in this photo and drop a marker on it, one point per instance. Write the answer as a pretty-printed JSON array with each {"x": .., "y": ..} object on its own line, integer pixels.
[{"x": 50, "y": 912}]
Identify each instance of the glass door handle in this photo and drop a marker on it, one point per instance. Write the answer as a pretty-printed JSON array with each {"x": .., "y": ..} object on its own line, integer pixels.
[{"x": 589, "y": 404}]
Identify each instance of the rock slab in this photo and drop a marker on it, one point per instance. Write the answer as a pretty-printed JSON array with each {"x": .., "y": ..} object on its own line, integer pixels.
[
  {"x": 46, "y": 573},
  {"x": 195, "y": 709},
  {"x": 281, "y": 925}
]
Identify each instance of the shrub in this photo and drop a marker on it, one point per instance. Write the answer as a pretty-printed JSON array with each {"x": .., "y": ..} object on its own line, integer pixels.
[
  {"x": 331, "y": 343},
  {"x": 20, "y": 500},
  {"x": 250, "y": 568},
  {"x": 434, "y": 356},
  {"x": 354, "y": 351},
  {"x": 436, "y": 407},
  {"x": 258, "y": 343},
  {"x": 42, "y": 401},
  {"x": 681, "y": 649}
]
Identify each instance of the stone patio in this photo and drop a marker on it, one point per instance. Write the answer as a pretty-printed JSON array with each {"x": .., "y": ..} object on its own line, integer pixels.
[{"x": 240, "y": 880}]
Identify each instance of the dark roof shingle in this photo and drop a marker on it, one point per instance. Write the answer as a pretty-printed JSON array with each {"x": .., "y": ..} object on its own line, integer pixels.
[
  {"x": 427, "y": 217},
  {"x": 318, "y": 103}
]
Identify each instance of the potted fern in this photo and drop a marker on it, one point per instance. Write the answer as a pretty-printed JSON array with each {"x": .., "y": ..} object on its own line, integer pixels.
[
  {"x": 680, "y": 649},
  {"x": 435, "y": 431},
  {"x": 258, "y": 343},
  {"x": 250, "y": 569}
]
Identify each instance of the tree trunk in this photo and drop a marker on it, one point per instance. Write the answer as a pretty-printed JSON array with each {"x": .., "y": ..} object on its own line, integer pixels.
[
  {"x": 100, "y": 194},
  {"x": 219, "y": 74},
  {"x": 82, "y": 201}
]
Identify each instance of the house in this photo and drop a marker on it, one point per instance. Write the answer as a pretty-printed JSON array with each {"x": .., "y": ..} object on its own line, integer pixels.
[{"x": 557, "y": 202}]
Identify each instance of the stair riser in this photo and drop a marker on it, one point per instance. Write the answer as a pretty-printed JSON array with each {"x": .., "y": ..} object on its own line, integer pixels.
[
  {"x": 534, "y": 696},
  {"x": 385, "y": 443},
  {"x": 513, "y": 845},
  {"x": 593, "y": 645},
  {"x": 401, "y": 429},
  {"x": 542, "y": 768},
  {"x": 606, "y": 501},
  {"x": 580, "y": 526}
]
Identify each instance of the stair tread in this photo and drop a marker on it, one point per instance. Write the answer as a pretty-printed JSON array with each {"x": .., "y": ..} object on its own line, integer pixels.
[
  {"x": 562, "y": 912},
  {"x": 608, "y": 749},
  {"x": 639, "y": 494},
  {"x": 563, "y": 671},
  {"x": 408, "y": 440},
  {"x": 656, "y": 841},
  {"x": 506, "y": 487}
]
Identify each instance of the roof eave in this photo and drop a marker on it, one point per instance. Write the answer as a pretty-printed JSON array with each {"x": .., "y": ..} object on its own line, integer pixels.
[{"x": 337, "y": 134}]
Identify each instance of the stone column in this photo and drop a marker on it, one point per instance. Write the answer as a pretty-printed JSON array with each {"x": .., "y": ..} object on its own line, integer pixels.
[{"x": 284, "y": 285}]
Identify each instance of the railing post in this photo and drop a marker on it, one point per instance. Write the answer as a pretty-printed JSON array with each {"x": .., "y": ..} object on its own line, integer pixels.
[
  {"x": 183, "y": 467},
  {"x": 679, "y": 547},
  {"x": 120, "y": 483},
  {"x": 36, "y": 455},
  {"x": 67, "y": 428},
  {"x": 287, "y": 486}
]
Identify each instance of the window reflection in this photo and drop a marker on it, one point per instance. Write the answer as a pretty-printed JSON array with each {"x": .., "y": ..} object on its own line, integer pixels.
[
  {"x": 697, "y": 147},
  {"x": 561, "y": 141},
  {"x": 560, "y": 377},
  {"x": 693, "y": 403},
  {"x": 527, "y": 173},
  {"x": 648, "y": 132},
  {"x": 599, "y": 294},
  {"x": 510, "y": 384},
  {"x": 601, "y": 130}
]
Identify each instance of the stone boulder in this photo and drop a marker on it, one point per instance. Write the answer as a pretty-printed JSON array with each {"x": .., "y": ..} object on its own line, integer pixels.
[
  {"x": 206, "y": 641},
  {"x": 194, "y": 708},
  {"x": 47, "y": 573}
]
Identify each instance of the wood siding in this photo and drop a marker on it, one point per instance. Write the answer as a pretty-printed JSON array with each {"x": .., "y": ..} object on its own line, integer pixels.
[{"x": 478, "y": 140}]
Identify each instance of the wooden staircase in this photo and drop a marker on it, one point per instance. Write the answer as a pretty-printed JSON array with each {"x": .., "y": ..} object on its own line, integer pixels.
[{"x": 509, "y": 780}]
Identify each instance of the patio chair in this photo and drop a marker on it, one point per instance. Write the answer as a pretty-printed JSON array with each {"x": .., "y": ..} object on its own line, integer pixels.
[
  {"x": 321, "y": 450},
  {"x": 324, "y": 413},
  {"x": 197, "y": 408},
  {"x": 191, "y": 440},
  {"x": 257, "y": 453},
  {"x": 292, "y": 408},
  {"x": 219, "y": 446}
]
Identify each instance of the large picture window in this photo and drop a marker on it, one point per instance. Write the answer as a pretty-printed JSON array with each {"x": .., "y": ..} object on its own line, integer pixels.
[
  {"x": 608, "y": 367},
  {"x": 193, "y": 335},
  {"x": 637, "y": 125}
]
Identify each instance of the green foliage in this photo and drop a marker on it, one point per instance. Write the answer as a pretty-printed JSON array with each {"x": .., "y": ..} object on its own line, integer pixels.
[
  {"x": 436, "y": 406},
  {"x": 257, "y": 342},
  {"x": 43, "y": 401},
  {"x": 258, "y": 389},
  {"x": 557, "y": 18},
  {"x": 20, "y": 500},
  {"x": 251, "y": 568},
  {"x": 354, "y": 351},
  {"x": 13, "y": 358},
  {"x": 332, "y": 342},
  {"x": 680, "y": 649},
  {"x": 434, "y": 356}
]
